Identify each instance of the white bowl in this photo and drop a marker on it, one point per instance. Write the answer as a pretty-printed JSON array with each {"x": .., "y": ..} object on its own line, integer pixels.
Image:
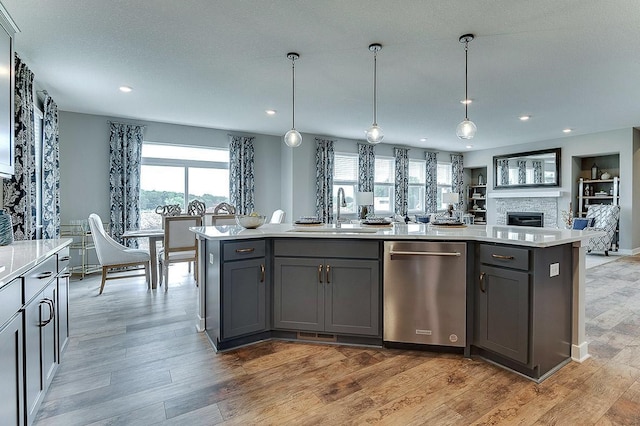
[{"x": 250, "y": 222}]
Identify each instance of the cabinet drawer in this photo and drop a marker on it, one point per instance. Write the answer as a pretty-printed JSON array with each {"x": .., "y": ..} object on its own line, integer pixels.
[
  {"x": 63, "y": 259},
  {"x": 10, "y": 300},
  {"x": 510, "y": 257},
  {"x": 38, "y": 277},
  {"x": 327, "y": 248},
  {"x": 245, "y": 249}
]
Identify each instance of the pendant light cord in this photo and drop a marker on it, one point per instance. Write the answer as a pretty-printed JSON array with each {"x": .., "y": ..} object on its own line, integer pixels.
[
  {"x": 293, "y": 93},
  {"x": 466, "y": 78},
  {"x": 375, "y": 79}
]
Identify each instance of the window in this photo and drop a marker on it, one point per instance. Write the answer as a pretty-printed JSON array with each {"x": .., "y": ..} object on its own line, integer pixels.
[
  {"x": 444, "y": 183},
  {"x": 383, "y": 186},
  {"x": 345, "y": 175},
  {"x": 177, "y": 174},
  {"x": 417, "y": 183}
]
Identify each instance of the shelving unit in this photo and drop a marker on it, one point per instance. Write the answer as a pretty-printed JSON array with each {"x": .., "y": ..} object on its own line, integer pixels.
[
  {"x": 598, "y": 191},
  {"x": 82, "y": 244},
  {"x": 477, "y": 202}
]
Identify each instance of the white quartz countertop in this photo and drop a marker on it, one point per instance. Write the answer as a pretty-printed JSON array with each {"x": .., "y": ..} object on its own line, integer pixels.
[
  {"x": 516, "y": 235},
  {"x": 20, "y": 256}
]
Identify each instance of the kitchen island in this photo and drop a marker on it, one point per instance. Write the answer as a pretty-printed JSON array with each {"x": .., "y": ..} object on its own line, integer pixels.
[{"x": 524, "y": 290}]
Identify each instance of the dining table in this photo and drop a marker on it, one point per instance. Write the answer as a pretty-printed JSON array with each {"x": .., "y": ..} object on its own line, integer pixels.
[{"x": 153, "y": 235}]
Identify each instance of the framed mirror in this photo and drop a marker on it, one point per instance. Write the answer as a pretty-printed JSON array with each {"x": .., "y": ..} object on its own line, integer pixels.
[{"x": 531, "y": 169}]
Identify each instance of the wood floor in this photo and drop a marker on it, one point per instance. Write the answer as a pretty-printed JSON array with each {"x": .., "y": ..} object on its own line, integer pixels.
[{"x": 135, "y": 359}]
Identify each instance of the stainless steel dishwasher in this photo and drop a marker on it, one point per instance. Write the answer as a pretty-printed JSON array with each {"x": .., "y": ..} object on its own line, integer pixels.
[{"x": 425, "y": 293}]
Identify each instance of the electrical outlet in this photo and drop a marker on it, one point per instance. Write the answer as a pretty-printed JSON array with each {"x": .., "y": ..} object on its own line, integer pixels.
[
  {"x": 211, "y": 258},
  {"x": 554, "y": 269}
]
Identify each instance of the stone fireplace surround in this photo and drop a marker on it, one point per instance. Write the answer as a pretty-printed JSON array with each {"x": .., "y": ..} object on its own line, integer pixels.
[{"x": 546, "y": 205}]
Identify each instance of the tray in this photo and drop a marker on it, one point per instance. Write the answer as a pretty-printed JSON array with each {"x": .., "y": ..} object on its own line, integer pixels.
[
  {"x": 456, "y": 225},
  {"x": 307, "y": 223},
  {"x": 381, "y": 224}
]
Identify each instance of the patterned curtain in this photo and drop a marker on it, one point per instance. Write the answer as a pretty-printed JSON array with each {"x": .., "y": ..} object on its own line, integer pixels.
[
  {"x": 125, "y": 147},
  {"x": 241, "y": 177},
  {"x": 366, "y": 169},
  {"x": 431, "y": 195},
  {"x": 457, "y": 177},
  {"x": 20, "y": 189},
  {"x": 503, "y": 172},
  {"x": 324, "y": 180},
  {"x": 402, "y": 181},
  {"x": 522, "y": 172},
  {"x": 537, "y": 171},
  {"x": 50, "y": 171}
]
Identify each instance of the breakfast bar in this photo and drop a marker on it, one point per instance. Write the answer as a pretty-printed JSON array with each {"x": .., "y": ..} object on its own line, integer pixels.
[{"x": 519, "y": 294}]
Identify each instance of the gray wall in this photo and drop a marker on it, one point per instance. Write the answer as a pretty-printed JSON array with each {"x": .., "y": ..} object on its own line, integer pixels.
[{"x": 625, "y": 142}]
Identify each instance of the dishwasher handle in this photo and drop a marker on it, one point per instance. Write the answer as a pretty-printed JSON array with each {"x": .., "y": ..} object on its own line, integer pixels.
[{"x": 424, "y": 253}]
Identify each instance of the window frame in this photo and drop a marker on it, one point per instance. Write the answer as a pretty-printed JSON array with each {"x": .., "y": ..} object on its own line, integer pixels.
[
  {"x": 337, "y": 183},
  {"x": 390, "y": 185},
  {"x": 443, "y": 188},
  {"x": 422, "y": 186}
]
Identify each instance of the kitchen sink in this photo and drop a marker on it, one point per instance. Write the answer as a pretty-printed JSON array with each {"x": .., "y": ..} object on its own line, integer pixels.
[{"x": 332, "y": 230}]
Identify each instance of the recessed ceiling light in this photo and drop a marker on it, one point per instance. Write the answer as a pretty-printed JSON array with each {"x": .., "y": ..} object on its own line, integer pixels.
[
  {"x": 271, "y": 112},
  {"x": 423, "y": 139},
  {"x": 469, "y": 146},
  {"x": 466, "y": 101},
  {"x": 567, "y": 130},
  {"x": 524, "y": 117},
  {"x": 125, "y": 89}
]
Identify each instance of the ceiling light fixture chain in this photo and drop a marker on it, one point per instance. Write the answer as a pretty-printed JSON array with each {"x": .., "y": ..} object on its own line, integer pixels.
[
  {"x": 293, "y": 138},
  {"x": 375, "y": 133},
  {"x": 466, "y": 129}
]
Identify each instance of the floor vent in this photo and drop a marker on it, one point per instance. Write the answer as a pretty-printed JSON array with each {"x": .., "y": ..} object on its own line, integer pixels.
[{"x": 317, "y": 337}]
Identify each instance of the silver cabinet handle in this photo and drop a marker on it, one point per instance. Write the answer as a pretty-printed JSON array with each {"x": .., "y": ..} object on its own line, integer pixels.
[
  {"x": 246, "y": 250},
  {"x": 482, "y": 286},
  {"x": 43, "y": 275},
  {"x": 320, "y": 273},
  {"x": 424, "y": 253},
  {"x": 502, "y": 256},
  {"x": 261, "y": 273},
  {"x": 328, "y": 272}
]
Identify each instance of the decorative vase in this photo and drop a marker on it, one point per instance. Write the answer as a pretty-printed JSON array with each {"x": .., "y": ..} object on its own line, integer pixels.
[
  {"x": 6, "y": 229},
  {"x": 594, "y": 172}
]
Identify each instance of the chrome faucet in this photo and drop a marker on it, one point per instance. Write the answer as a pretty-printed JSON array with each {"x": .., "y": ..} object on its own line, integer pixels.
[{"x": 342, "y": 203}]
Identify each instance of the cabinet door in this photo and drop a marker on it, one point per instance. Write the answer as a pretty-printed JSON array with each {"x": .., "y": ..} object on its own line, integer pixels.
[
  {"x": 11, "y": 373},
  {"x": 352, "y": 290},
  {"x": 62, "y": 312},
  {"x": 298, "y": 299},
  {"x": 502, "y": 312},
  {"x": 40, "y": 346},
  {"x": 244, "y": 297}
]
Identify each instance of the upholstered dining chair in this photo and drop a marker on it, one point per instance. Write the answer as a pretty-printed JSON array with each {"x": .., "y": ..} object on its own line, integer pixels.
[
  {"x": 277, "y": 216},
  {"x": 605, "y": 218},
  {"x": 112, "y": 254},
  {"x": 180, "y": 244}
]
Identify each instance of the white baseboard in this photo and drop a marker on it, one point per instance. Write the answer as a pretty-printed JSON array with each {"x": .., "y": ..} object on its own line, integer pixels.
[{"x": 580, "y": 353}]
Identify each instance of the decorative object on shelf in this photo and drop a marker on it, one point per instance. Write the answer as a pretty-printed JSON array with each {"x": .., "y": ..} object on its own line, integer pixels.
[
  {"x": 364, "y": 199},
  {"x": 594, "y": 172},
  {"x": 293, "y": 138},
  {"x": 466, "y": 129},
  {"x": 567, "y": 217},
  {"x": 480, "y": 180},
  {"x": 605, "y": 175},
  {"x": 450, "y": 198},
  {"x": 375, "y": 133},
  {"x": 6, "y": 228}
]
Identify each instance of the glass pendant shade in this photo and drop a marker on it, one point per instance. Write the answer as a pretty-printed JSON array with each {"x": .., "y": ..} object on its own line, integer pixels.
[
  {"x": 466, "y": 129},
  {"x": 293, "y": 138},
  {"x": 375, "y": 134}
]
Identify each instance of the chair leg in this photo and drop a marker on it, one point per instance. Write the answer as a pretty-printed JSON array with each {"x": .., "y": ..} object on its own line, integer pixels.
[
  {"x": 104, "y": 278},
  {"x": 606, "y": 253},
  {"x": 147, "y": 273},
  {"x": 166, "y": 276},
  {"x": 160, "y": 269}
]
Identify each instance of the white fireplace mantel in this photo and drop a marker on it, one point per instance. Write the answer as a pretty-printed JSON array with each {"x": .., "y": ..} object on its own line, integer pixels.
[{"x": 556, "y": 193}]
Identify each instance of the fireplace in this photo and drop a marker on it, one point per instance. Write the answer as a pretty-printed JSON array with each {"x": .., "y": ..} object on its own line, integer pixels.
[{"x": 535, "y": 219}]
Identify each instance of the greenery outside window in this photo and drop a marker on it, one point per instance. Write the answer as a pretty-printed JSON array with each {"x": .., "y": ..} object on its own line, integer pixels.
[
  {"x": 417, "y": 186},
  {"x": 445, "y": 183},
  {"x": 383, "y": 186}
]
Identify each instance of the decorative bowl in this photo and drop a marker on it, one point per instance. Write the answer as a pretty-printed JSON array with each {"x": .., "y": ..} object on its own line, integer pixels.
[{"x": 250, "y": 222}]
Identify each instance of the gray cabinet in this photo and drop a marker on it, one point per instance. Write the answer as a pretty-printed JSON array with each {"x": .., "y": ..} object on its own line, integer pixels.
[
  {"x": 11, "y": 354},
  {"x": 522, "y": 306},
  {"x": 338, "y": 294},
  {"x": 237, "y": 291},
  {"x": 62, "y": 301}
]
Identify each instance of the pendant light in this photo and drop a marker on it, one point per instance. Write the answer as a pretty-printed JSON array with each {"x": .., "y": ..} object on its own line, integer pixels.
[
  {"x": 466, "y": 129},
  {"x": 293, "y": 138},
  {"x": 375, "y": 133}
]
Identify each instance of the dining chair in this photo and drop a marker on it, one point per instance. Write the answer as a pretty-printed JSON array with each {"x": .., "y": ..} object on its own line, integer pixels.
[
  {"x": 112, "y": 254},
  {"x": 277, "y": 216},
  {"x": 180, "y": 244}
]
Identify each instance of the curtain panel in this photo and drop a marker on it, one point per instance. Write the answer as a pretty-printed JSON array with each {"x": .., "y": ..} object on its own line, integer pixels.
[
  {"x": 20, "y": 190},
  {"x": 241, "y": 174},
  {"x": 522, "y": 172},
  {"x": 537, "y": 171},
  {"x": 125, "y": 152},
  {"x": 325, "y": 158},
  {"x": 366, "y": 169},
  {"x": 431, "y": 182},
  {"x": 50, "y": 170},
  {"x": 401, "y": 181},
  {"x": 457, "y": 180}
]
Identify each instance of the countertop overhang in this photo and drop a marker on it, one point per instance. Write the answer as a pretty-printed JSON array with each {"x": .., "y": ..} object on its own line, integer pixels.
[
  {"x": 20, "y": 256},
  {"x": 516, "y": 235}
]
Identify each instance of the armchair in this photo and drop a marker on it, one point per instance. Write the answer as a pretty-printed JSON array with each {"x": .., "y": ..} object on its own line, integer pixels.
[
  {"x": 112, "y": 255},
  {"x": 605, "y": 218}
]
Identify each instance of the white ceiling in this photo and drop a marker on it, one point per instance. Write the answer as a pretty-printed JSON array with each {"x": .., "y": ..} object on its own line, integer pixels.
[{"x": 221, "y": 64}]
